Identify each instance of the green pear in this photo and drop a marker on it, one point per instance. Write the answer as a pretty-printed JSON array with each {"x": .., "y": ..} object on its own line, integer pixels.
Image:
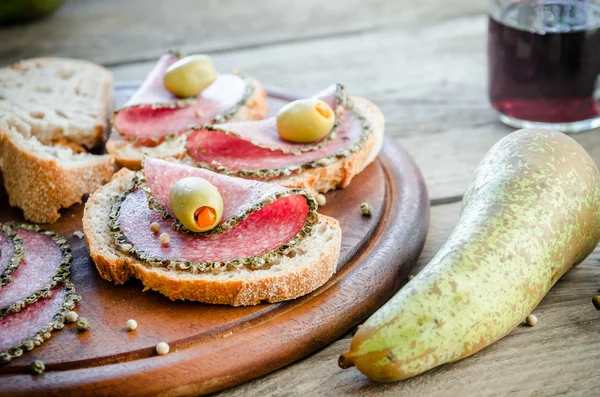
[{"x": 530, "y": 213}]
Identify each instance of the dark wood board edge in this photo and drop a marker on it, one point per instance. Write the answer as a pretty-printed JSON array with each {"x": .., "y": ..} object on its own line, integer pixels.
[{"x": 292, "y": 335}]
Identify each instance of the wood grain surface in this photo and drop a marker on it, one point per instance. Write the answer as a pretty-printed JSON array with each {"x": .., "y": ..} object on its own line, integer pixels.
[
  {"x": 557, "y": 357},
  {"x": 424, "y": 64}
]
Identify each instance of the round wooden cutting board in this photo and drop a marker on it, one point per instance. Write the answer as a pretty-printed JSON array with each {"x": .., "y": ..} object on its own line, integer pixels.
[{"x": 215, "y": 347}]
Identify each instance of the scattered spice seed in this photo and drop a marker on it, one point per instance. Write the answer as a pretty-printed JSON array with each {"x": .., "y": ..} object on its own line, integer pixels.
[
  {"x": 162, "y": 348},
  {"x": 366, "y": 209},
  {"x": 165, "y": 239},
  {"x": 131, "y": 325},
  {"x": 321, "y": 200},
  {"x": 531, "y": 320},
  {"x": 596, "y": 302},
  {"x": 37, "y": 367},
  {"x": 82, "y": 324},
  {"x": 155, "y": 227},
  {"x": 78, "y": 233},
  {"x": 72, "y": 316}
]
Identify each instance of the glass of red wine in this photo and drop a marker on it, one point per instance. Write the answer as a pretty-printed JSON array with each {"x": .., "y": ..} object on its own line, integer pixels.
[{"x": 544, "y": 63}]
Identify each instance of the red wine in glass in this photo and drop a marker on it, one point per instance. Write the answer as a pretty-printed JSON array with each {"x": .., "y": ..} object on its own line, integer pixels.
[{"x": 544, "y": 63}]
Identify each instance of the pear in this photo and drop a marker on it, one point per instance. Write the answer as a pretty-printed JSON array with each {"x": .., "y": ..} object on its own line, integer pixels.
[{"x": 530, "y": 213}]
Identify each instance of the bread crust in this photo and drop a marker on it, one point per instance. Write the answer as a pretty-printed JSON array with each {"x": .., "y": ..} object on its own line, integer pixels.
[
  {"x": 42, "y": 186},
  {"x": 244, "y": 287},
  {"x": 129, "y": 155},
  {"x": 341, "y": 172},
  {"x": 39, "y": 142}
]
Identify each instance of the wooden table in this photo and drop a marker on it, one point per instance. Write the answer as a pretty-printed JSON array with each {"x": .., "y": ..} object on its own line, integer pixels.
[{"x": 424, "y": 64}]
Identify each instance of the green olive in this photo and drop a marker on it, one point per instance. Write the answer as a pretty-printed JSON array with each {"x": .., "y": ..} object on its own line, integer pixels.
[
  {"x": 189, "y": 76},
  {"x": 305, "y": 120},
  {"x": 196, "y": 203}
]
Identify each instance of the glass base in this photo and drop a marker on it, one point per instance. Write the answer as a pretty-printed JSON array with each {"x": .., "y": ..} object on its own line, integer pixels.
[{"x": 567, "y": 128}]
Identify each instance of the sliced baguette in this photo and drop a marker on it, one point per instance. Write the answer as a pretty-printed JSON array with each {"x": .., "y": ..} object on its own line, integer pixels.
[
  {"x": 129, "y": 154},
  {"x": 50, "y": 108},
  {"x": 341, "y": 172},
  {"x": 42, "y": 179},
  {"x": 314, "y": 263},
  {"x": 59, "y": 99}
]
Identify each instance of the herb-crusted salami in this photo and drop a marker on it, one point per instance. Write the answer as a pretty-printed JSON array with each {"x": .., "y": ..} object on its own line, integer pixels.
[
  {"x": 241, "y": 196},
  {"x": 222, "y": 148},
  {"x": 153, "y": 114},
  {"x": 260, "y": 221},
  {"x": 46, "y": 262},
  {"x": 11, "y": 255},
  {"x": 263, "y": 133},
  {"x": 30, "y": 327}
]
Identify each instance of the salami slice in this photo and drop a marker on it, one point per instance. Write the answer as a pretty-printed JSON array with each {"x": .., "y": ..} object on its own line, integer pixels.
[
  {"x": 153, "y": 113},
  {"x": 263, "y": 133},
  {"x": 46, "y": 263},
  {"x": 240, "y": 196},
  {"x": 30, "y": 327},
  {"x": 11, "y": 255},
  {"x": 262, "y": 221},
  {"x": 217, "y": 149}
]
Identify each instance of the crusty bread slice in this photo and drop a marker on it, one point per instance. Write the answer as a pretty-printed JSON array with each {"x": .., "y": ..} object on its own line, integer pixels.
[
  {"x": 42, "y": 179},
  {"x": 50, "y": 108},
  {"x": 341, "y": 172},
  {"x": 129, "y": 154},
  {"x": 314, "y": 263},
  {"x": 59, "y": 99},
  {"x": 337, "y": 174}
]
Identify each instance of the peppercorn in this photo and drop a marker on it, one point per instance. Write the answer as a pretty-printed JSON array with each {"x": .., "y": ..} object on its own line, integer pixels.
[
  {"x": 37, "y": 367},
  {"x": 82, "y": 324}
]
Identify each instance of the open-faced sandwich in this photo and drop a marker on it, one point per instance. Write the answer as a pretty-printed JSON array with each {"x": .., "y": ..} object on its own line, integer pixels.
[
  {"x": 194, "y": 234},
  {"x": 178, "y": 93},
  {"x": 319, "y": 143},
  {"x": 35, "y": 289},
  {"x": 52, "y": 111}
]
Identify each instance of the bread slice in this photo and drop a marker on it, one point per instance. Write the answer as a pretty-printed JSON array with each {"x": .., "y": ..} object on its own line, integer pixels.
[
  {"x": 50, "y": 109},
  {"x": 60, "y": 99},
  {"x": 341, "y": 172},
  {"x": 337, "y": 174},
  {"x": 314, "y": 263},
  {"x": 129, "y": 154}
]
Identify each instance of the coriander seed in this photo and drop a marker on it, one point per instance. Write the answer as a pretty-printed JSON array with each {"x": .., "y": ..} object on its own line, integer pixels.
[
  {"x": 321, "y": 200},
  {"x": 164, "y": 238},
  {"x": 531, "y": 320},
  {"x": 72, "y": 316},
  {"x": 131, "y": 325},
  {"x": 155, "y": 227},
  {"x": 162, "y": 348}
]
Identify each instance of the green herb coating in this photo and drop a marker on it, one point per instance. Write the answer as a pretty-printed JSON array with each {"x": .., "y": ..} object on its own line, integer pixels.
[
  {"x": 15, "y": 261},
  {"x": 82, "y": 324},
  {"x": 344, "y": 102},
  {"x": 61, "y": 275},
  {"x": 255, "y": 262},
  {"x": 37, "y": 367},
  {"x": 58, "y": 322}
]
